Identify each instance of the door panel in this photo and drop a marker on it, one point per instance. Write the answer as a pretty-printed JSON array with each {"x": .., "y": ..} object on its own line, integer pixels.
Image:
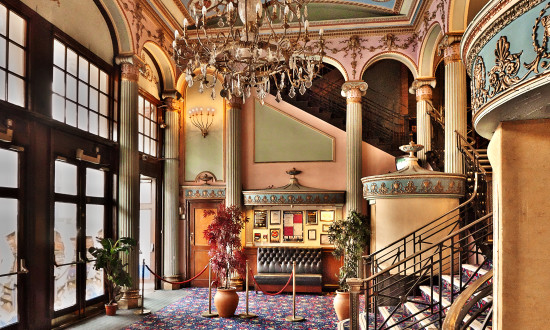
[{"x": 199, "y": 245}]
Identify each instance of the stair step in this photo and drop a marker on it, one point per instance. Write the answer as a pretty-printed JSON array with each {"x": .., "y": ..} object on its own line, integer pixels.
[
  {"x": 385, "y": 311},
  {"x": 423, "y": 318}
]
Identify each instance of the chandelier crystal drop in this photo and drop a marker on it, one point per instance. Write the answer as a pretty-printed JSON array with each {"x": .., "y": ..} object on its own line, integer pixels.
[{"x": 250, "y": 45}]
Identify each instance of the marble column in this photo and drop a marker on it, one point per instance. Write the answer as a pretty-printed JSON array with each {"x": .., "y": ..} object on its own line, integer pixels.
[
  {"x": 171, "y": 192},
  {"x": 455, "y": 104},
  {"x": 128, "y": 175},
  {"x": 353, "y": 91},
  {"x": 422, "y": 87},
  {"x": 233, "y": 193}
]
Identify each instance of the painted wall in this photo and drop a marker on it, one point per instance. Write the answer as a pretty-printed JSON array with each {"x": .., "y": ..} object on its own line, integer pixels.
[{"x": 325, "y": 175}]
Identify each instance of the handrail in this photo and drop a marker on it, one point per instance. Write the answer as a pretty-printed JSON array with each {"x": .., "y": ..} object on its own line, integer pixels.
[
  {"x": 470, "y": 151},
  {"x": 461, "y": 306},
  {"x": 416, "y": 233}
]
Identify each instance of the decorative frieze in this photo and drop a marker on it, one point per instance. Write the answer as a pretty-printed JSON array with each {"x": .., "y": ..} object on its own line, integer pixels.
[
  {"x": 292, "y": 198},
  {"x": 417, "y": 186},
  {"x": 209, "y": 192}
]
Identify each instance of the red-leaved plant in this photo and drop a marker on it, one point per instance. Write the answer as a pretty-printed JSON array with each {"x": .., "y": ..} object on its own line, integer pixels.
[{"x": 223, "y": 236}]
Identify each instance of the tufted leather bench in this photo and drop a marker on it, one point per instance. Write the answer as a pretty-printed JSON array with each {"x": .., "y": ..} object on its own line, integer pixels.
[{"x": 274, "y": 265}]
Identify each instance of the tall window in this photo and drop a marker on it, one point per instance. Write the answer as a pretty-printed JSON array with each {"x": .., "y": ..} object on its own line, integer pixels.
[
  {"x": 13, "y": 31},
  {"x": 148, "y": 127},
  {"x": 80, "y": 92}
]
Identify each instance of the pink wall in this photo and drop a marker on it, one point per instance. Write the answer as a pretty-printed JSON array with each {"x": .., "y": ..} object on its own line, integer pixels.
[{"x": 325, "y": 175}]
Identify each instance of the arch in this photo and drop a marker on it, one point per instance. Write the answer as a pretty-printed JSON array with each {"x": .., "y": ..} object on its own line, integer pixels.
[
  {"x": 337, "y": 65},
  {"x": 428, "y": 51},
  {"x": 166, "y": 67},
  {"x": 404, "y": 59},
  {"x": 120, "y": 25}
]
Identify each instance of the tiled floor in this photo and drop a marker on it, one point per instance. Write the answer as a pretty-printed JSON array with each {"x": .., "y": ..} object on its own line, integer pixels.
[{"x": 154, "y": 301}]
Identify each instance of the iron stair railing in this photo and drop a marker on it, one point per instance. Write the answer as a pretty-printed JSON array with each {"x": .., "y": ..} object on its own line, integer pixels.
[{"x": 395, "y": 284}]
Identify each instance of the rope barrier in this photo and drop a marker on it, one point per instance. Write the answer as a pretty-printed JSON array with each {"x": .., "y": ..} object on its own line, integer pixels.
[
  {"x": 268, "y": 293},
  {"x": 182, "y": 282}
]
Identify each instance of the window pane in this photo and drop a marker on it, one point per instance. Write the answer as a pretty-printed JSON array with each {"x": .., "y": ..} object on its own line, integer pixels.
[
  {"x": 82, "y": 118},
  {"x": 145, "y": 191},
  {"x": 65, "y": 287},
  {"x": 65, "y": 233},
  {"x": 154, "y": 148},
  {"x": 3, "y": 19},
  {"x": 8, "y": 236},
  {"x": 94, "y": 282},
  {"x": 83, "y": 69},
  {"x": 65, "y": 178},
  {"x": 59, "y": 54},
  {"x": 103, "y": 82},
  {"x": 146, "y": 145},
  {"x": 95, "y": 183},
  {"x": 16, "y": 90},
  {"x": 146, "y": 127},
  {"x": 71, "y": 62},
  {"x": 153, "y": 130},
  {"x": 140, "y": 105},
  {"x": 140, "y": 124},
  {"x": 8, "y": 303},
  {"x": 103, "y": 127},
  {"x": 9, "y": 169},
  {"x": 16, "y": 59},
  {"x": 2, "y": 85},
  {"x": 58, "y": 108},
  {"x": 2, "y": 52},
  {"x": 70, "y": 113},
  {"x": 95, "y": 215},
  {"x": 58, "y": 81},
  {"x": 140, "y": 143},
  {"x": 94, "y": 228},
  {"x": 93, "y": 99},
  {"x": 94, "y": 123},
  {"x": 103, "y": 105},
  {"x": 115, "y": 131},
  {"x": 71, "y": 88},
  {"x": 94, "y": 76},
  {"x": 17, "y": 28},
  {"x": 82, "y": 93}
]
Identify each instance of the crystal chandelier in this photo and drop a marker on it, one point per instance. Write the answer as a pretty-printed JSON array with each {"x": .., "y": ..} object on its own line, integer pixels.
[{"x": 270, "y": 44}]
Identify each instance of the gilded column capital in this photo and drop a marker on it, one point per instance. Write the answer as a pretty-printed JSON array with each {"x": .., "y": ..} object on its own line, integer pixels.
[
  {"x": 422, "y": 88},
  {"x": 170, "y": 100},
  {"x": 450, "y": 45},
  {"x": 235, "y": 102},
  {"x": 354, "y": 90},
  {"x": 130, "y": 65}
]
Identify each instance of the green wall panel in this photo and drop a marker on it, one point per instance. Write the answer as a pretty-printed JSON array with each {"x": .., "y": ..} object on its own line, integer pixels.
[{"x": 279, "y": 137}]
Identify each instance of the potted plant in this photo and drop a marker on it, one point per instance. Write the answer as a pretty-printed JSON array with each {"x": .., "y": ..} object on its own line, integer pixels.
[
  {"x": 107, "y": 257},
  {"x": 350, "y": 238},
  {"x": 224, "y": 237}
]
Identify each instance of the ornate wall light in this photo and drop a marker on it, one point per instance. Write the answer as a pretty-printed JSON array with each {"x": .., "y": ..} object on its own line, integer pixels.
[{"x": 202, "y": 118}]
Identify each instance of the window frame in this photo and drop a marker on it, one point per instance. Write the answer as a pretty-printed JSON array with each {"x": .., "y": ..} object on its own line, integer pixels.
[{"x": 157, "y": 103}]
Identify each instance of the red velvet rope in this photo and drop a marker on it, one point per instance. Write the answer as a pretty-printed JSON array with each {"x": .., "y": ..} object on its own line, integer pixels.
[
  {"x": 272, "y": 294},
  {"x": 189, "y": 280}
]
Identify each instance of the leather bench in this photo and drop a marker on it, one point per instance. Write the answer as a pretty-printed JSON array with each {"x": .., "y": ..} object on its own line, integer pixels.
[{"x": 274, "y": 265}]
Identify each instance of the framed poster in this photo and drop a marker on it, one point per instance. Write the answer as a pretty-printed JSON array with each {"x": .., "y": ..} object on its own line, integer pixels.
[
  {"x": 260, "y": 219},
  {"x": 311, "y": 218},
  {"x": 275, "y": 217},
  {"x": 257, "y": 237},
  {"x": 325, "y": 228},
  {"x": 293, "y": 226},
  {"x": 264, "y": 238},
  {"x": 274, "y": 235},
  {"x": 312, "y": 234},
  {"x": 327, "y": 215},
  {"x": 324, "y": 239}
]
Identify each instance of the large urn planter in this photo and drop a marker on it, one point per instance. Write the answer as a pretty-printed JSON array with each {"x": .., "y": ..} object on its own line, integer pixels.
[
  {"x": 341, "y": 304},
  {"x": 226, "y": 301}
]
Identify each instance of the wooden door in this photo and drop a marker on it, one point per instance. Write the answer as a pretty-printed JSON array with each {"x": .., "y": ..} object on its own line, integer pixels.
[{"x": 198, "y": 244}]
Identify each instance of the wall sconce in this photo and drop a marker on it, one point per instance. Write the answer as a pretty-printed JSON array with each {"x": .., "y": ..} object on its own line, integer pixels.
[{"x": 202, "y": 118}]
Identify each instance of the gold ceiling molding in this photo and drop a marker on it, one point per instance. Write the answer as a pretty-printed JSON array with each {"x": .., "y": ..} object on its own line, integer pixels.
[
  {"x": 351, "y": 46},
  {"x": 358, "y": 4}
]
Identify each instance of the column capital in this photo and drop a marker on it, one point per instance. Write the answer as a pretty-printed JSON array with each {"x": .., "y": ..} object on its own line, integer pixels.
[
  {"x": 130, "y": 65},
  {"x": 450, "y": 45},
  {"x": 422, "y": 87},
  {"x": 170, "y": 100},
  {"x": 354, "y": 90}
]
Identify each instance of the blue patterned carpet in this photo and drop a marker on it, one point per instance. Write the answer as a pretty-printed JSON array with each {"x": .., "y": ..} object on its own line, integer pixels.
[{"x": 271, "y": 310}]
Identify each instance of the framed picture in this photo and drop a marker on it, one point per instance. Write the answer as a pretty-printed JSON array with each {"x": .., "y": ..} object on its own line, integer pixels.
[
  {"x": 293, "y": 226},
  {"x": 311, "y": 218},
  {"x": 327, "y": 215},
  {"x": 324, "y": 239},
  {"x": 274, "y": 235},
  {"x": 260, "y": 219},
  {"x": 312, "y": 234},
  {"x": 275, "y": 217},
  {"x": 264, "y": 238},
  {"x": 257, "y": 237},
  {"x": 325, "y": 228}
]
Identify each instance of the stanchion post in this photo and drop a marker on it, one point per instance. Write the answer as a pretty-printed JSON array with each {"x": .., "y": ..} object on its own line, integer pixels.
[
  {"x": 209, "y": 313},
  {"x": 293, "y": 317},
  {"x": 247, "y": 315},
  {"x": 142, "y": 311}
]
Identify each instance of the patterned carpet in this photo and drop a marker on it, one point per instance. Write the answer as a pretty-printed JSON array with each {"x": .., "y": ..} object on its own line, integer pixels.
[{"x": 271, "y": 310}]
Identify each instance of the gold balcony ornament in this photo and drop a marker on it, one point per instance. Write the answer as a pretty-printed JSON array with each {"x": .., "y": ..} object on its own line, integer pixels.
[
  {"x": 202, "y": 118},
  {"x": 254, "y": 45}
]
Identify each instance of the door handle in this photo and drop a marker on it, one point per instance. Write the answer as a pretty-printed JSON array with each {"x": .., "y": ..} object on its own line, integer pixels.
[{"x": 22, "y": 268}]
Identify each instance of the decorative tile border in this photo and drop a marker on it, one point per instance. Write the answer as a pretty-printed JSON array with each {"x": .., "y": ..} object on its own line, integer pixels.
[
  {"x": 293, "y": 198},
  {"x": 201, "y": 192},
  {"x": 420, "y": 186}
]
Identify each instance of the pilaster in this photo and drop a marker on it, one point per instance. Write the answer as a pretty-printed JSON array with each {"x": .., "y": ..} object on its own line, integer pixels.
[
  {"x": 171, "y": 193},
  {"x": 422, "y": 88},
  {"x": 353, "y": 91},
  {"x": 233, "y": 153}
]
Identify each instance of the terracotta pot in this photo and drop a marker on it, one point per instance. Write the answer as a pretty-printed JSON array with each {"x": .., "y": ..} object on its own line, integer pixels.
[
  {"x": 111, "y": 309},
  {"x": 226, "y": 301},
  {"x": 341, "y": 304}
]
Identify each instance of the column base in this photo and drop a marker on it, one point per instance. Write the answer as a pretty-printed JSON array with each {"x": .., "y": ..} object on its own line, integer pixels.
[
  {"x": 170, "y": 286},
  {"x": 130, "y": 299}
]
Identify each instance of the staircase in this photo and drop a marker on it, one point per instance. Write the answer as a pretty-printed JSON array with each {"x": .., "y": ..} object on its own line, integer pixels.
[{"x": 382, "y": 127}]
